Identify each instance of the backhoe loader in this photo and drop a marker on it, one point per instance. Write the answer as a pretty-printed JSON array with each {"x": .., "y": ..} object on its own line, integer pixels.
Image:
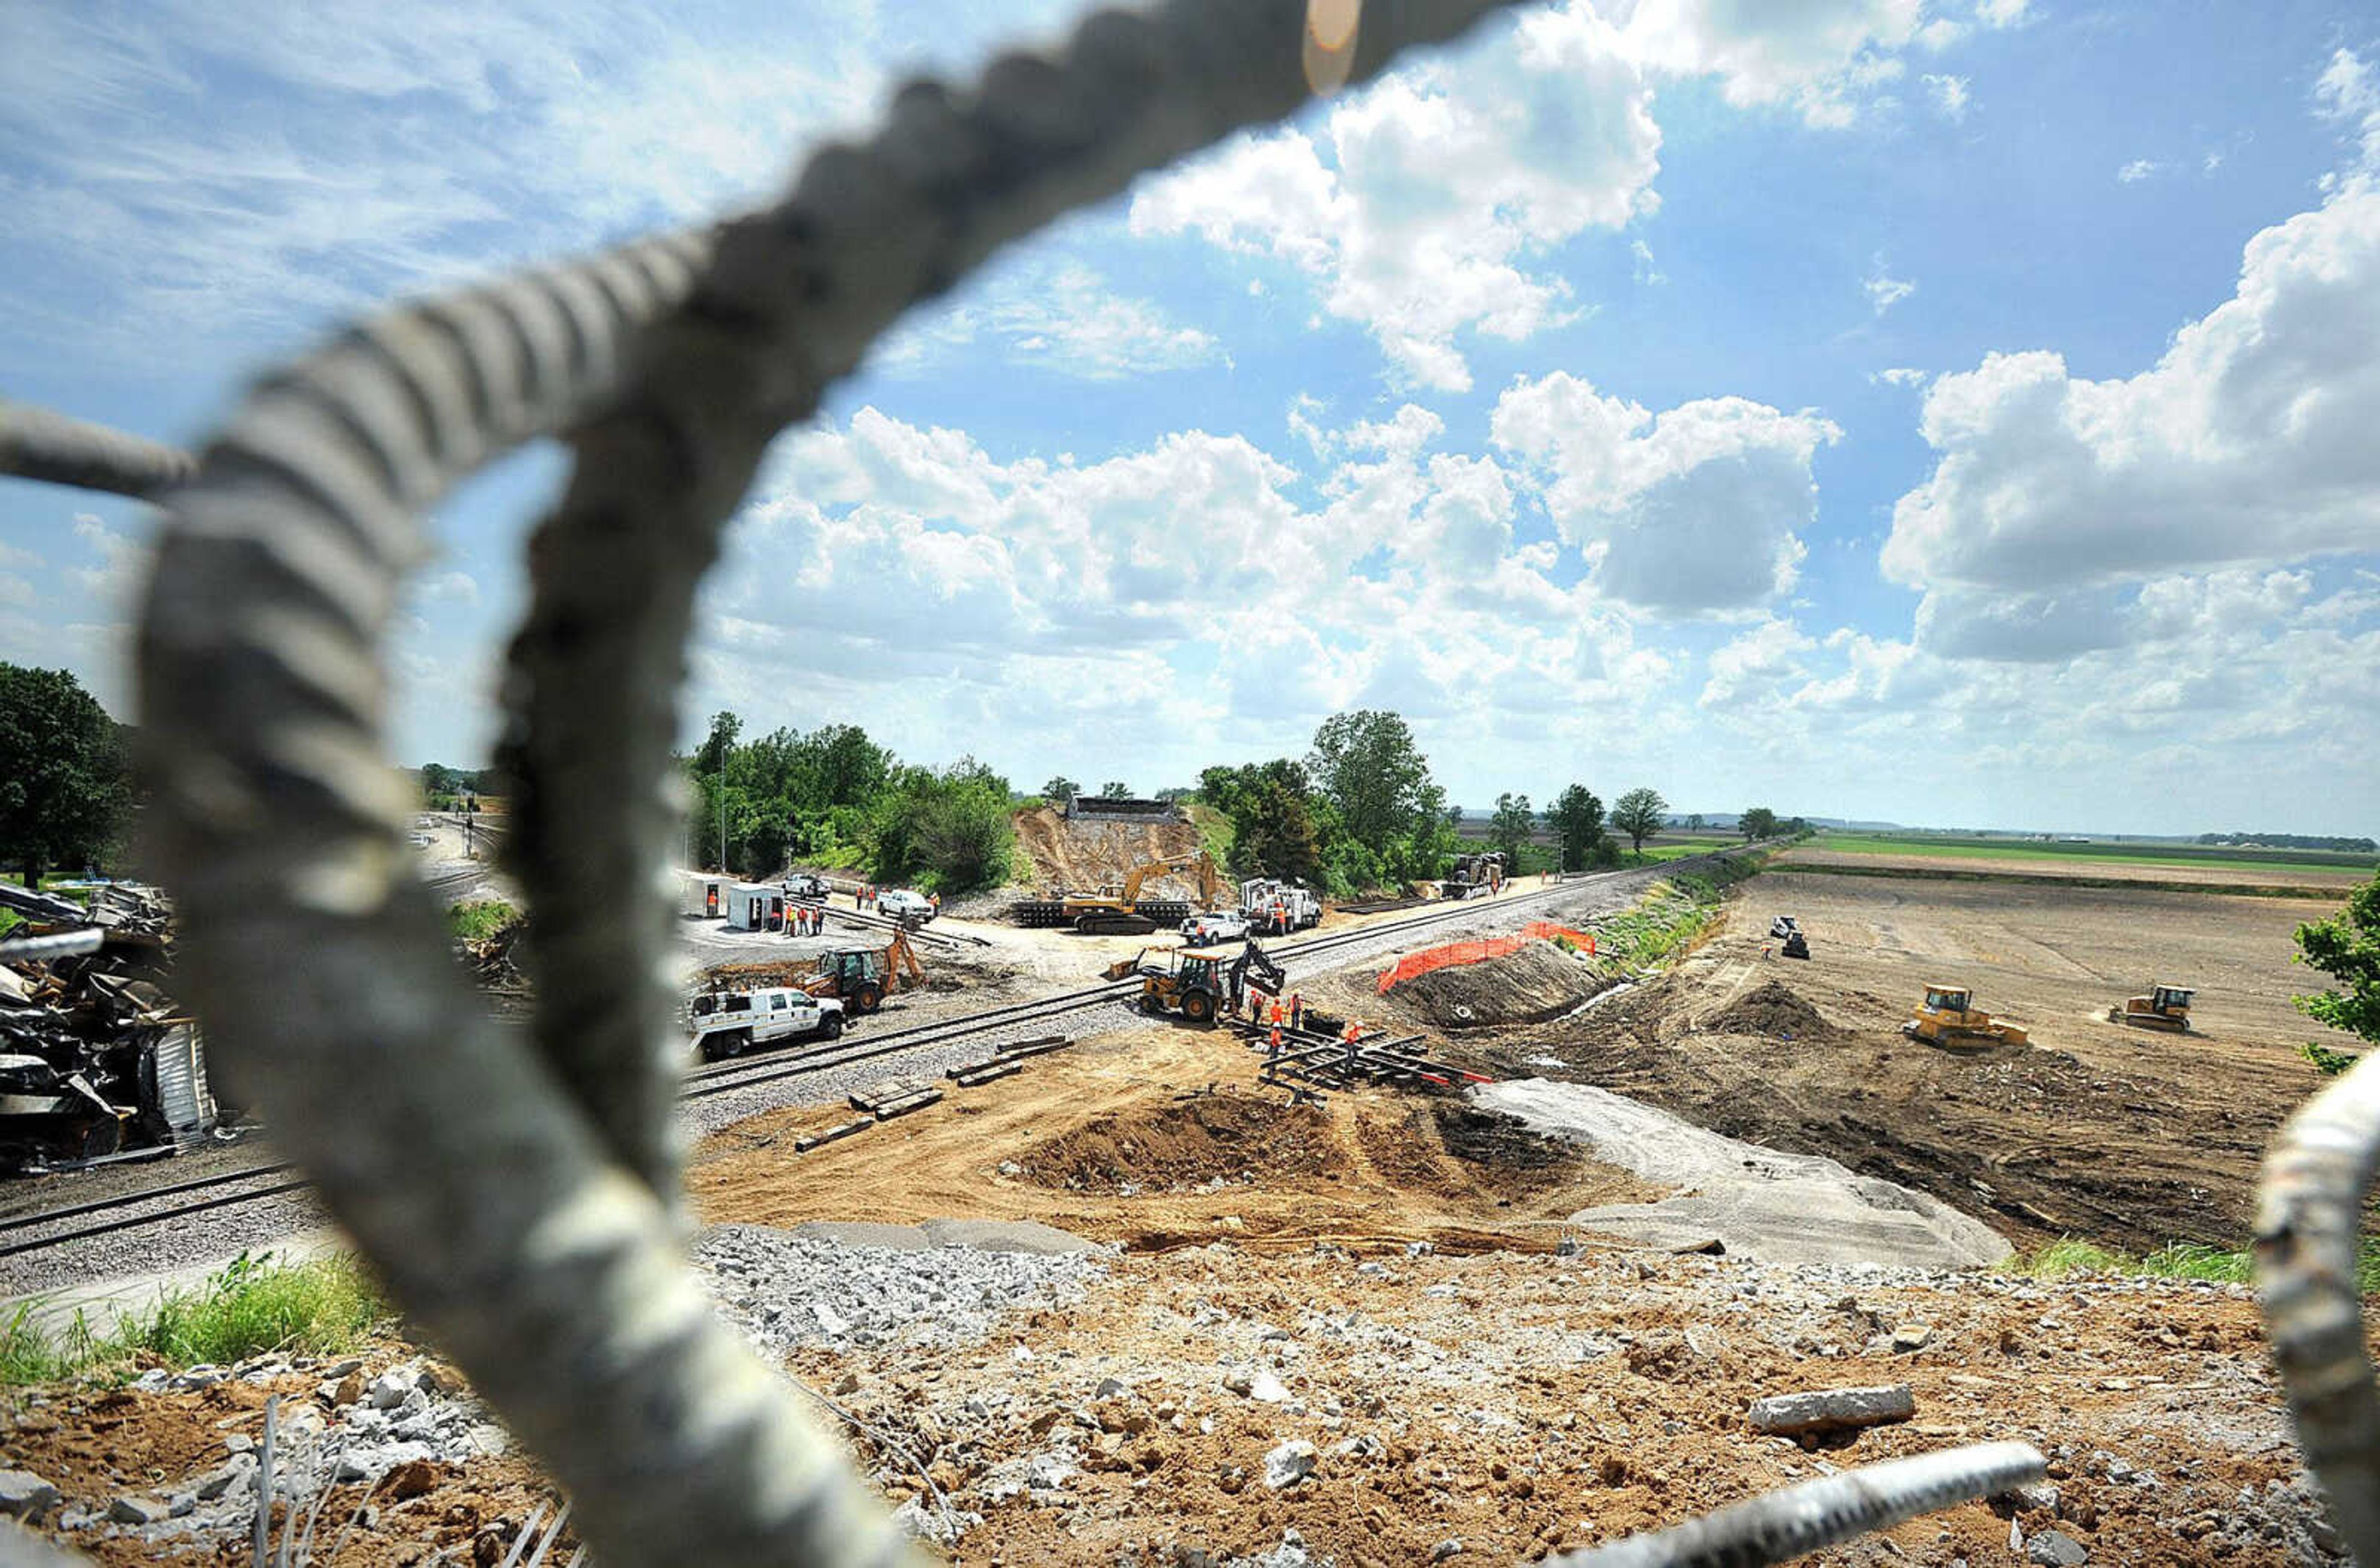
[
  {"x": 864, "y": 977},
  {"x": 1200, "y": 983}
]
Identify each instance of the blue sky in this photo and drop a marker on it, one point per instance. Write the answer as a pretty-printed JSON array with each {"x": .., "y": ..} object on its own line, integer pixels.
[{"x": 1954, "y": 413}]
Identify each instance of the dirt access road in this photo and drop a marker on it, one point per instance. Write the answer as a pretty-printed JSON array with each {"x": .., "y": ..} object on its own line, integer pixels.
[{"x": 2120, "y": 1136}]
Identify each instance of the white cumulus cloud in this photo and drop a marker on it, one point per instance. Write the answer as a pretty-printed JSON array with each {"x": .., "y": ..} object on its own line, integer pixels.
[{"x": 1693, "y": 511}]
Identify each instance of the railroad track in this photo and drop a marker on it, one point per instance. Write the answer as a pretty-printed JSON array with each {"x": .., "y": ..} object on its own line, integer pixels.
[{"x": 181, "y": 1200}]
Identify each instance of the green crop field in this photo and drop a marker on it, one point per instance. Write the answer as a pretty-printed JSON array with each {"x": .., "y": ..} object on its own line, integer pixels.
[{"x": 2214, "y": 856}]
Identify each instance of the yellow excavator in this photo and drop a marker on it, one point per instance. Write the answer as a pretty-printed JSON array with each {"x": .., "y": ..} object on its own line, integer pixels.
[
  {"x": 1948, "y": 1017},
  {"x": 2165, "y": 1007},
  {"x": 1121, "y": 913}
]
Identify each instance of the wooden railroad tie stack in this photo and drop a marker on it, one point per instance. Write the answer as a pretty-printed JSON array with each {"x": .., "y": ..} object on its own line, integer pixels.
[
  {"x": 888, "y": 1097},
  {"x": 1319, "y": 1059}
]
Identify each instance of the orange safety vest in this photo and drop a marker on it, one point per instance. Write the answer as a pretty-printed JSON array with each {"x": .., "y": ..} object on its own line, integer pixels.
[
  {"x": 1355, "y": 1031},
  {"x": 1276, "y": 1012}
]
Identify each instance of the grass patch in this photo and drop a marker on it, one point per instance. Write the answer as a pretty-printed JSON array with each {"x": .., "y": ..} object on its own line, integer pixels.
[
  {"x": 251, "y": 1305},
  {"x": 479, "y": 921},
  {"x": 1674, "y": 915},
  {"x": 2175, "y": 1260},
  {"x": 2330, "y": 1063},
  {"x": 1217, "y": 830},
  {"x": 1953, "y": 849}
]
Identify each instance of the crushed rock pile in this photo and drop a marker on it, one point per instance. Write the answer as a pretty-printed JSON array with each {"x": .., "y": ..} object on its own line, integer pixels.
[
  {"x": 1741, "y": 1198},
  {"x": 1541, "y": 980},
  {"x": 787, "y": 1291},
  {"x": 403, "y": 1429}
]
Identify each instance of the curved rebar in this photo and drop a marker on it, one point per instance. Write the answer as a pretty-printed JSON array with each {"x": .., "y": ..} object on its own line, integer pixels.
[
  {"x": 2309, "y": 1224},
  {"x": 1792, "y": 1521},
  {"x": 517, "y": 1200},
  {"x": 793, "y": 302},
  {"x": 38, "y": 444}
]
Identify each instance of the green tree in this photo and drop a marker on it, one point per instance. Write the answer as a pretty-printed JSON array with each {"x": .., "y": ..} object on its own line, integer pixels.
[
  {"x": 437, "y": 781},
  {"x": 1059, "y": 787},
  {"x": 1274, "y": 827},
  {"x": 1510, "y": 827},
  {"x": 2347, "y": 948},
  {"x": 1577, "y": 817},
  {"x": 711, "y": 758},
  {"x": 1758, "y": 822},
  {"x": 1638, "y": 814},
  {"x": 950, "y": 829},
  {"x": 66, "y": 787},
  {"x": 1368, "y": 766},
  {"x": 1694, "y": 822},
  {"x": 1115, "y": 789}
]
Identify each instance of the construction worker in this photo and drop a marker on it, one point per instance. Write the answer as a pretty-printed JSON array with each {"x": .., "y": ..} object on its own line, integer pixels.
[
  {"x": 1272, "y": 1046},
  {"x": 935, "y": 899},
  {"x": 1296, "y": 1012},
  {"x": 1276, "y": 1015},
  {"x": 1355, "y": 1033}
]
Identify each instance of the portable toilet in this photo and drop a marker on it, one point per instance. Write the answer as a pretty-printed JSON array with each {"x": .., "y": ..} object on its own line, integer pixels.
[{"x": 747, "y": 906}]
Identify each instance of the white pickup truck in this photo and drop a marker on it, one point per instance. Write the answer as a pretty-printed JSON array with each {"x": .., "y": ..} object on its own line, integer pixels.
[{"x": 729, "y": 1023}]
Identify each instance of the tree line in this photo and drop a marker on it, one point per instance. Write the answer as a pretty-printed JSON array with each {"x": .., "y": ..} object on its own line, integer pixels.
[{"x": 2292, "y": 841}]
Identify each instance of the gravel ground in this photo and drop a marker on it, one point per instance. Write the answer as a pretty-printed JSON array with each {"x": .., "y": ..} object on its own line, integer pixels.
[{"x": 787, "y": 1292}]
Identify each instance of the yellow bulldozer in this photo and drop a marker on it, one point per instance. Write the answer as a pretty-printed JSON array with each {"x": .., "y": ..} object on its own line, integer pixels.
[
  {"x": 1948, "y": 1017},
  {"x": 2165, "y": 1007}
]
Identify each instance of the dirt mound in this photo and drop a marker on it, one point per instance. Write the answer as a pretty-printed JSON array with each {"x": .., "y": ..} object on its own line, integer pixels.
[
  {"x": 1226, "y": 1136},
  {"x": 1493, "y": 1138},
  {"x": 1540, "y": 981},
  {"x": 1773, "y": 1012},
  {"x": 1082, "y": 855}
]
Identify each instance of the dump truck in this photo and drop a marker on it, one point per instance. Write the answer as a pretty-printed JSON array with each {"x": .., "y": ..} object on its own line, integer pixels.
[
  {"x": 2165, "y": 1007},
  {"x": 861, "y": 977},
  {"x": 1948, "y": 1017},
  {"x": 1200, "y": 983}
]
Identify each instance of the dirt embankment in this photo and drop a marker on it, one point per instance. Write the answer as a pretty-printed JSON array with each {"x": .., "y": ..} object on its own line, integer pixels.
[
  {"x": 1059, "y": 856},
  {"x": 1539, "y": 982}
]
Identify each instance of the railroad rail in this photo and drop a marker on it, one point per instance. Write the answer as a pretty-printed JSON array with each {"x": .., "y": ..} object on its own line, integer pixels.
[{"x": 207, "y": 1194}]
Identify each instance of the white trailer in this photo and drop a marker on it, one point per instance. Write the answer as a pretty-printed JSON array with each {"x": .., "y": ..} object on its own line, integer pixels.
[{"x": 747, "y": 905}]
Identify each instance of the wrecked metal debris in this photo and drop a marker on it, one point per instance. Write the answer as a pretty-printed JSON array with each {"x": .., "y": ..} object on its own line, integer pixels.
[{"x": 95, "y": 1060}]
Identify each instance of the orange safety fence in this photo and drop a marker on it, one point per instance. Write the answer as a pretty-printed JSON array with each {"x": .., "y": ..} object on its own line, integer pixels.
[{"x": 1478, "y": 950}]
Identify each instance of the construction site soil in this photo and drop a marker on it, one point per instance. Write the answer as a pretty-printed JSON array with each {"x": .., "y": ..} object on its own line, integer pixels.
[
  {"x": 1371, "y": 1327},
  {"x": 1161, "y": 1138},
  {"x": 2121, "y": 1136}
]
